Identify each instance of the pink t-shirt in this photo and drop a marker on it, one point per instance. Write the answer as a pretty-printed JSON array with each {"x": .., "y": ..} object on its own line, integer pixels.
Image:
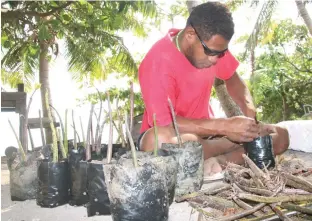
[{"x": 166, "y": 72}]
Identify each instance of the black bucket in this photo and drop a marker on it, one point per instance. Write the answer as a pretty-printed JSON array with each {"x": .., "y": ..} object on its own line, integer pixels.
[
  {"x": 260, "y": 151},
  {"x": 53, "y": 186}
]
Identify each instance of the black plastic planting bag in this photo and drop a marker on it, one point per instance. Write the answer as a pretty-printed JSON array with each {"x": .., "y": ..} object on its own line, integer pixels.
[
  {"x": 137, "y": 194},
  {"x": 23, "y": 177},
  {"x": 98, "y": 198},
  {"x": 78, "y": 177},
  {"x": 190, "y": 160},
  {"x": 166, "y": 163},
  {"x": 260, "y": 151},
  {"x": 53, "y": 186}
]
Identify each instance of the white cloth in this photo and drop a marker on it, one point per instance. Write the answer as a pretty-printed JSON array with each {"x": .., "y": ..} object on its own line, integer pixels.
[{"x": 300, "y": 134}]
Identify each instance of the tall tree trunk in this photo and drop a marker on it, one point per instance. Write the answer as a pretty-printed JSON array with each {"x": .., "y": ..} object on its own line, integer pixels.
[
  {"x": 228, "y": 105},
  {"x": 45, "y": 85},
  {"x": 304, "y": 14},
  {"x": 252, "y": 62}
]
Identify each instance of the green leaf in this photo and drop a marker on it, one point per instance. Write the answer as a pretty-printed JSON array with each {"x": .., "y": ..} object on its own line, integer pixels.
[
  {"x": 83, "y": 2},
  {"x": 66, "y": 17},
  {"x": 43, "y": 33},
  {"x": 7, "y": 44}
]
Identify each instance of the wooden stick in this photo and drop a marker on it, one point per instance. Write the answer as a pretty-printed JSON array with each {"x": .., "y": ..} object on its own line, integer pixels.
[
  {"x": 102, "y": 129},
  {"x": 110, "y": 136},
  {"x": 61, "y": 143},
  {"x": 20, "y": 147},
  {"x": 301, "y": 209},
  {"x": 279, "y": 213},
  {"x": 243, "y": 214},
  {"x": 41, "y": 129},
  {"x": 65, "y": 138},
  {"x": 60, "y": 119},
  {"x": 245, "y": 206},
  {"x": 76, "y": 132},
  {"x": 265, "y": 199},
  {"x": 175, "y": 125},
  {"x": 83, "y": 135},
  {"x": 200, "y": 210},
  {"x": 296, "y": 185},
  {"x": 87, "y": 145},
  {"x": 258, "y": 191},
  {"x": 26, "y": 118},
  {"x": 131, "y": 105},
  {"x": 54, "y": 137},
  {"x": 255, "y": 169},
  {"x": 133, "y": 150},
  {"x": 155, "y": 135},
  {"x": 92, "y": 136},
  {"x": 295, "y": 191},
  {"x": 31, "y": 138},
  {"x": 98, "y": 122},
  {"x": 74, "y": 126},
  {"x": 299, "y": 180},
  {"x": 203, "y": 192}
]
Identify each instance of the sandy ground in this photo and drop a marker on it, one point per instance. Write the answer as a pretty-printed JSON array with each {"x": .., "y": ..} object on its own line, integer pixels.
[{"x": 29, "y": 211}]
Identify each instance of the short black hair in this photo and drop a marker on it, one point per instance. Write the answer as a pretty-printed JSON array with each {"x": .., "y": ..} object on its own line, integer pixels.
[{"x": 212, "y": 18}]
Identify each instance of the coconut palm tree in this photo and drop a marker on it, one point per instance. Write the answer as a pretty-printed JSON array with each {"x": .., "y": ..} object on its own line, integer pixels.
[{"x": 31, "y": 30}]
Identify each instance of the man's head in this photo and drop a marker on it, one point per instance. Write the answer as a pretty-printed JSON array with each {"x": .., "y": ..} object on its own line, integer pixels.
[{"x": 208, "y": 32}]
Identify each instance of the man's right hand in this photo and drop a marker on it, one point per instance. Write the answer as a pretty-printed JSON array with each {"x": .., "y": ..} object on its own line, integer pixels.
[{"x": 241, "y": 129}]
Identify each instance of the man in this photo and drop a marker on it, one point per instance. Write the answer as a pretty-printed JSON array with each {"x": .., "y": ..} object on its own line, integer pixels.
[{"x": 183, "y": 66}]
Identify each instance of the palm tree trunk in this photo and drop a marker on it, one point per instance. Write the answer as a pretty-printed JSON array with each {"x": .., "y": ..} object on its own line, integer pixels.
[
  {"x": 45, "y": 85},
  {"x": 228, "y": 105},
  {"x": 304, "y": 14}
]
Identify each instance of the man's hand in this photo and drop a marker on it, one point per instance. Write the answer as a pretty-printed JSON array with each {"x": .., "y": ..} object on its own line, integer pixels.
[
  {"x": 241, "y": 129},
  {"x": 266, "y": 129}
]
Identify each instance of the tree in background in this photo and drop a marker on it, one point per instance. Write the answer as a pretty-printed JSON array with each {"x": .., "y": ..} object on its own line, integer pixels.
[
  {"x": 31, "y": 30},
  {"x": 282, "y": 83}
]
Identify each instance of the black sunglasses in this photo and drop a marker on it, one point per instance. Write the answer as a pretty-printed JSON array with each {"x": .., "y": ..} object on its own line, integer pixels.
[{"x": 207, "y": 50}]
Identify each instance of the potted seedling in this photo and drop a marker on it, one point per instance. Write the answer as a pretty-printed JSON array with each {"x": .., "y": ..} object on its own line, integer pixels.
[
  {"x": 23, "y": 166},
  {"x": 137, "y": 187},
  {"x": 98, "y": 199},
  {"x": 78, "y": 171},
  {"x": 189, "y": 156},
  {"x": 53, "y": 188}
]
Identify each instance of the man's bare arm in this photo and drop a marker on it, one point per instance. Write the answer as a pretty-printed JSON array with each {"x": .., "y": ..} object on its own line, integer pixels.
[
  {"x": 239, "y": 129},
  {"x": 239, "y": 92}
]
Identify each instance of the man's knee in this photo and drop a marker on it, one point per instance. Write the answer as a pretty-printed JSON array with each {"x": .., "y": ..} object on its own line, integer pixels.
[
  {"x": 165, "y": 135},
  {"x": 282, "y": 140},
  {"x": 148, "y": 140}
]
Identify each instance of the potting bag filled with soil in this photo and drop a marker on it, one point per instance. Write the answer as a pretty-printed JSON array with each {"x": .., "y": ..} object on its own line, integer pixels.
[
  {"x": 260, "y": 151},
  {"x": 137, "y": 193},
  {"x": 166, "y": 163},
  {"x": 190, "y": 159},
  {"x": 78, "y": 177},
  {"x": 53, "y": 188},
  {"x": 23, "y": 177},
  {"x": 98, "y": 198}
]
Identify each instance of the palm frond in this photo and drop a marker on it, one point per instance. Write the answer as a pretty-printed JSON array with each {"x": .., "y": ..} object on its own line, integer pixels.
[
  {"x": 261, "y": 25},
  {"x": 98, "y": 56}
]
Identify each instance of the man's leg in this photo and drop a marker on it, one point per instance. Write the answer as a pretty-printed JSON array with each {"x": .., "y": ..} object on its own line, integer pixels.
[
  {"x": 217, "y": 152},
  {"x": 280, "y": 140}
]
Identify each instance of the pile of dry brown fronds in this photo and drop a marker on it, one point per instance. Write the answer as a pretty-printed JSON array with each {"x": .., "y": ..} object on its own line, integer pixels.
[{"x": 250, "y": 193}]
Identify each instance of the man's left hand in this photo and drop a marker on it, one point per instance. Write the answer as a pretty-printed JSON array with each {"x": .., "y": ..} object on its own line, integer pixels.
[{"x": 266, "y": 129}]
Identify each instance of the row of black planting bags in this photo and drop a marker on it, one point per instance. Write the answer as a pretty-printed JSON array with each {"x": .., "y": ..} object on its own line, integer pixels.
[{"x": 73, "y": 180}]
